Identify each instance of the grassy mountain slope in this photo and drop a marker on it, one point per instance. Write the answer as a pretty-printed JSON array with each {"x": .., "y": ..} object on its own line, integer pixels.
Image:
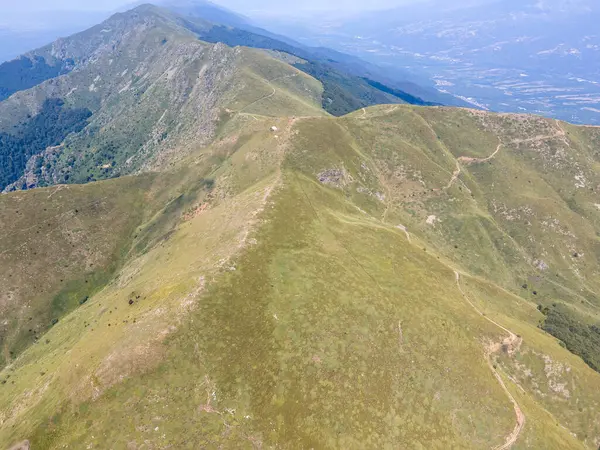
[
  {"x": 58, "y": 247},
  {"x": 234, "y": 29},
  {"x": 42, "y": 284},
  {"x": 471, "y": 218},
  {"x": 305, "y": 276},
  {"x": 345, "y": 88},
  {"x": 522, "y": 187}
]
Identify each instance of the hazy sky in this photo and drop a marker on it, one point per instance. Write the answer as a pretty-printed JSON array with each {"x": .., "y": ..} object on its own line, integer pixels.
[
  {"x": 243, "y": 6},
  {"x": 44, "y": 5}
]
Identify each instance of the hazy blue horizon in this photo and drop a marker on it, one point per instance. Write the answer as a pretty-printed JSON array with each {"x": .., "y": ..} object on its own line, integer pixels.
[{"x": 33, "y": 6}]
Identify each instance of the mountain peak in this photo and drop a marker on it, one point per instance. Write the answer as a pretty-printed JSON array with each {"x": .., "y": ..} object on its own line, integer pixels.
[
  {"x": 143, "y": 11},
  {"x": 149, "y": 9},
  {"x": 206, "y": 10}
]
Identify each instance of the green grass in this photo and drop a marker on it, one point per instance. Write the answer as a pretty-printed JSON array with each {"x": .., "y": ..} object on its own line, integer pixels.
[
  {"x": 272, "y": 309},
  {"x": 283, "y": 345},
  {"x": 77, "y": 242},
  {"x": 295, "y": 288}
]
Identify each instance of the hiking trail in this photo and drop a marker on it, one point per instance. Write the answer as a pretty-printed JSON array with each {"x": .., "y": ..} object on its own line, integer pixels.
[{"x": 512, "y": 342}]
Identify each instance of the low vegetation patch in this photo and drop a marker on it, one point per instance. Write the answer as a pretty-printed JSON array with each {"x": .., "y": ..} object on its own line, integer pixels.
[
  {"x": 578, "y": 337},
  {"x": 405, "y": 96}
]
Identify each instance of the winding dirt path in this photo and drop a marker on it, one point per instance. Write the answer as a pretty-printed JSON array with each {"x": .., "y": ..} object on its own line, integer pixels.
[
  {"x": 467, "y": 160},
  {"x": 512, "y": 341},
  {"x": 403, "y": 228},
  {"x": 259, "y": 100},
  {"x": 267, "y": 96},
  {"x": 59, "y": 188},
  {"x": 455, "y": 175}
]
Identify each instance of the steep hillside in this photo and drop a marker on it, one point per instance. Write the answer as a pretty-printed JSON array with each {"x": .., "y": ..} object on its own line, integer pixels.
[
  {"x": 525, "y": 185},
  {"x": 147, "y": 92},
  {"x": 371, "y": 280},
  {"x": 510, "y": 201},
  {"x": 58, "y": 247},
  {"x": 346, "y": 88}
]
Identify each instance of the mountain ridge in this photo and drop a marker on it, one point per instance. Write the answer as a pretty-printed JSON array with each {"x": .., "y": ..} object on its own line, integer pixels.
[
  {"x": 139, "y": 35},
  {"x": 119, "y": 93},
  {"x": 346, "y": 199}
]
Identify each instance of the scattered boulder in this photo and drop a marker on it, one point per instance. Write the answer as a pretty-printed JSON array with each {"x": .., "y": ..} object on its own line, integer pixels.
[
  {"x": 431, "y": 220},
  {"x": 335, "y": 177}
]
